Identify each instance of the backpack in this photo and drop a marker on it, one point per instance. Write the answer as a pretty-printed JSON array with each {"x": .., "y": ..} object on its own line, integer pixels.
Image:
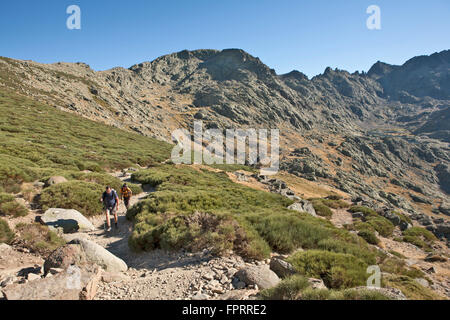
[
  {"x": 113, "y": 193},
  {"x": 126, "y": 192}
]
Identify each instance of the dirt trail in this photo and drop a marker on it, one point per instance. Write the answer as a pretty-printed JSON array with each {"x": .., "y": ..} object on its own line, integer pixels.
[{"x": 158, "y": 274}]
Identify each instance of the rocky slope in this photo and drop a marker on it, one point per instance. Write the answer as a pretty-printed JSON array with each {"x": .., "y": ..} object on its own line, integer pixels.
[{"x": 382, "y": 135}]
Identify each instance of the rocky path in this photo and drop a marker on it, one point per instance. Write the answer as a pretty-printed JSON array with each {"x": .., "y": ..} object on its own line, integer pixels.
[{"x": 162, "y": 275}]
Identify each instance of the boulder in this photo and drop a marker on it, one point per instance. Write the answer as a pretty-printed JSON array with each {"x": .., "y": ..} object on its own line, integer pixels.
[
  {"x": 63, "y": 257},
  {"x": 281, "y": 268},
  {"x": 433, "y": 257},
  {"x": 54, "y": 180},
  {"x": 423, "y": 282},
  {"x": 69, "y": 220},
  {"x": 73, "y": 284},
  {"x": 317, "y": 283},
  {"x": 261, "y": 276},
  {"x": 303, "y": 206},
  {"x": 100, "y": 256},
  {"x": 109, "y": 277},
  {"x": 445, "y": 208}
]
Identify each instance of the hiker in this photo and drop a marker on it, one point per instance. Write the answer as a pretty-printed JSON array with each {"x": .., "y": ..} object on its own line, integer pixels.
[
  {"x": 110, "y": 205},
  {"x": 126, "y": 194}
]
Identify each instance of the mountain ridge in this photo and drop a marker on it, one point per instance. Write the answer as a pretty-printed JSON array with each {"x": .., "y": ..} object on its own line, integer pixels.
[{"x": 373, "y": 118}]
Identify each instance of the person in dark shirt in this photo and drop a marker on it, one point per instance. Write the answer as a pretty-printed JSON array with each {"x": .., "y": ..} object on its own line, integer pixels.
[{"x": 110, "y": 202}]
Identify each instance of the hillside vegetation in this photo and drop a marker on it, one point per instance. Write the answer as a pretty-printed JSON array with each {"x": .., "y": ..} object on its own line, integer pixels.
[
  {"x": 196, "y": 208},
  {"x": 38, "y": 141}
]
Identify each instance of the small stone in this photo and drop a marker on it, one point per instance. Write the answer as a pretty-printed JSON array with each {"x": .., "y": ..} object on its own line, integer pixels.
[
  {"x": 200, "y": 296},
  {"x": 8, "y": 281},
  {"x": 33, "y": 276},
  {"x": 239, "y": 285},
  {"x": 208, "y": 276}
]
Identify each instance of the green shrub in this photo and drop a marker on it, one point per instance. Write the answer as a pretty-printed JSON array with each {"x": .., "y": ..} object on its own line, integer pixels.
[
  {"x": 397, "y": 254},
  {"x": 382, "y": 225},
  {"x": 284, "y": 233},
  {"x": 360, "y": 294},
  {"x": 420, "y": 232},
  {"x": 297, "y": 287},
  {"x": 337, "y": 270},
  {"x": 398, "y": 266},
  {"x": 13, "y": 208},
  {"x": 150, "y": 177},
  {"x": 288, "y": 289},
  {"x": 104, "y": 180},
  {"x": 195, "y": 232},
  {"x": 38, "y": 238},
  {"x": 78, "y": 195},
  {"x": 321, "y": 209},
  {"x": 335, "y": 204},
  {"x": 403, "y": 217},
  {"x": 6, "y": 234},
  {"x": 63, "y": 141},
  {"x": 359, "y": 249},
  {"x": 6, "y": 197},
  {"x": 411, "y": 289},
  {"x": 419, "y": 237},
  {"x": 334, "y": 197},
  {"x": 364, "y": 210},
  {"x": 261, "y": 218},
  {"x": 370, "y": 237},
  {"x": 375, "y": 223}
]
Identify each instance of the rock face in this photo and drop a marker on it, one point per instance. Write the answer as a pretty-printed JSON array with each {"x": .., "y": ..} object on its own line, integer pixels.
[
  {"x": 261, "y": 276},
  {"x": 281, "y": 268},
  {"x": 72, "y": 284},
  {"x": 317, "y": 283},
  {"x": 445, "y": 208},
  {"x": 55, "y": 180},
  {"x": 100, "y": 256},
  {"x": 63, "y": 257},
  {"x": 332, "y": 120},
  {"x": 303, "y": 206},
  {"x": 69, "y": 220}
]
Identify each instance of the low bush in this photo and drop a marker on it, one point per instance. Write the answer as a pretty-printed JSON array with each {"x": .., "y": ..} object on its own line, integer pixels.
[
  {"x": 260, "y": 218},
  {"x": 403, "y": 217},
  {"x": 375, "y": 222},
  {"x": 288, "y": 289},
  {"x": 411, "y": 288},
  {"x": 419, "y": 237},
  {"x": 322, "y": 209},
  {"x": 38, "y": 238},
  {"x": 13, "y": 208},
  {"x": 357, "y": 248},
  {"x": 382, "y": 225},
  {"x": 337, "y": 270},
  {"x": 78, "y": 195},
  {"x": 369, "y": 236},
  {"x": 335, "y": 204},
  {"x": 346, "y": 294},
  {"x": 297, "y": 287},
  {"x": 397, "y": 266},
  {"x": 397, "y": 254},
  {"x": 6, "y": 234},
  {"x": 364, "y": 210},
  {"x": 195, "y": 232},
  {"x": 10, "y": 207}
]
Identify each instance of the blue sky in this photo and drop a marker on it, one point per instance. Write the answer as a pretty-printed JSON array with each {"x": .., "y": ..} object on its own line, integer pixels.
[{"x": 284, "y": 34}]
